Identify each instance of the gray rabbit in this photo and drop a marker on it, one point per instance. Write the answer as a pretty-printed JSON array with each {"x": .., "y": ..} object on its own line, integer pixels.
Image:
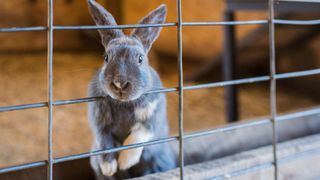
[{"x": 128, "y": 114}]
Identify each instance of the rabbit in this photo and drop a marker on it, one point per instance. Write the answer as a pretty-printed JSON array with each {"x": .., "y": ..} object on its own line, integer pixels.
[{"x": 128, "y": 114}]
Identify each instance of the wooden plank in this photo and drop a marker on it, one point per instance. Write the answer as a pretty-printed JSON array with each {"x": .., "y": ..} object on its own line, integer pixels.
[{"x": 233, "y": 166}]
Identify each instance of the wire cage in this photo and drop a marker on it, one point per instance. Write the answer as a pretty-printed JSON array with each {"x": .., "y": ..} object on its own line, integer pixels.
[{"x": 179, "y": 24}]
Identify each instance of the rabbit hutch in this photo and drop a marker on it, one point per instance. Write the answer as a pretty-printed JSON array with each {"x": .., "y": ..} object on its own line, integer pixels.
[{"x": 241, "y": 77}]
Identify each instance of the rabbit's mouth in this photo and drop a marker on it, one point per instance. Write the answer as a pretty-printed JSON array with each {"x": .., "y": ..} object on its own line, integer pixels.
[
  {"x": 123, "y": 95},
  {"x": 127, "y": 92}
]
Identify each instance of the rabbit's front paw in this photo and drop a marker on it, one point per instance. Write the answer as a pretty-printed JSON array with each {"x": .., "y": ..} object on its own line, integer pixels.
[
  {"x": 108, "y": 168},
  {"x": 129, "y": 158}
]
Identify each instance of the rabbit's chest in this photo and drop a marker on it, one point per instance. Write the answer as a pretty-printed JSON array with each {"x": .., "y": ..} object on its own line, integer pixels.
[
  {"x": 123, "y": 115},
  {"x": 123, "y": 120}
]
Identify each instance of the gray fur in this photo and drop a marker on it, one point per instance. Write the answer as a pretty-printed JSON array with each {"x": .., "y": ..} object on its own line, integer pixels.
[{"x": 112, "y": 119}]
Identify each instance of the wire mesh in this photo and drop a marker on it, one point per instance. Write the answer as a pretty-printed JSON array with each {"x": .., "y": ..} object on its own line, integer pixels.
[{"x": 273, "y": 77}]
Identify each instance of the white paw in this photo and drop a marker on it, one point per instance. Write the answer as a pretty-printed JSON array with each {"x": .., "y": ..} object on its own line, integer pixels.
[
  {"x": 108, "y": 168},
  {"x": 129, "y": 158}
]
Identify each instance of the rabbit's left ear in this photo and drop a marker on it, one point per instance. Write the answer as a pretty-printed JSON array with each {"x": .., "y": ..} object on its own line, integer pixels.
[
  {"x": 148, "y": 35},
  {"x": 103, "y": 18}
]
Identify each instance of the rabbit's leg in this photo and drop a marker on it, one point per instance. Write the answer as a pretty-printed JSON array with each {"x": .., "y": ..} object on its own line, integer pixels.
[
  {"x": 100, "y": 172},
  {"x": 130, "y": 157},
  {"x": 108, "y": 168},
  {"x": 106, "y": 163}
]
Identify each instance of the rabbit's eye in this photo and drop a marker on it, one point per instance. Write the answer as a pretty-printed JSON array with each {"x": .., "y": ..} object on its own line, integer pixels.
[
  {"x": 106, "y": 58},
  {"x": 140, "y": 59}
]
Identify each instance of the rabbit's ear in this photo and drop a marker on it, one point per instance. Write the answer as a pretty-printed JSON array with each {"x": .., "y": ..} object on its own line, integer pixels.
[
  {"x": 103, "y": 18},
  {"x": 148, "y": 35}
]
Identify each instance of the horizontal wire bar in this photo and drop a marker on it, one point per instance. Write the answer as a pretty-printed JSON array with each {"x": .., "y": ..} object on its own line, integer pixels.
[
  {"x": 174, "y": 89},
  {"x": 127, "y": 26},
  {"x": 170, "y": 24},
  {"x": 91, "y": 99},
  {"x": 298, "y": 74},
  {"x": 297, "y": 22},
  {"x": 228, "y": 83},
  {"x": 164, "y": 90},
  {"x": 23, "y": 29},
  {"x": 113, "y": 150},
  {"x": 226, "y": 128},
  {"x": 23, "y": 106},
  {"x": 225, "y": 23},
  {"x": 76, "y": 101},
  {"x": 22, "y": 167},
  {"x": 307, "y": 1},
  {"x": 300, "y": 114}
]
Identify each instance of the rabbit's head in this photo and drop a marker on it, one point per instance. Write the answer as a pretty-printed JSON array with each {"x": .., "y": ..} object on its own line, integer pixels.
[{"x": 125, "y": 75}]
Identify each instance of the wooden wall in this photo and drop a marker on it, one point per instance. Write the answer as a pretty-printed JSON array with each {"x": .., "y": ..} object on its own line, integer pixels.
[{"x": 199, "y": 42}]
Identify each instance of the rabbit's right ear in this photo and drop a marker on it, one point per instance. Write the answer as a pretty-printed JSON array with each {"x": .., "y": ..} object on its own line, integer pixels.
[
  {"x": 148, "y": 35},
  {"x": 103, "y": 18}
]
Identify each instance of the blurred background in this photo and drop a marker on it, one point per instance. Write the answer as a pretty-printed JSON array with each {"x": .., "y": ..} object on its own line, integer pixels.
[{"x": 78, "y": 55}]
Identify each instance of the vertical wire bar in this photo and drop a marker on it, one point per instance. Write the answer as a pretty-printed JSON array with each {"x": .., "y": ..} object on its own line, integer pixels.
[
  {"x": 273, "y": 90},
  {"x": 50, "y": 87},
  {"x": 181, "y": 140}
]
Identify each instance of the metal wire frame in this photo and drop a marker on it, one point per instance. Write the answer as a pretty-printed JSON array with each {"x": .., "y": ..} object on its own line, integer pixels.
[
  {"x": 50, "y": 103},
  {"x": 50, "y": 88},
  {"x": 168, "y": 90},
  {"x": 239, "y": 172},
  {"x": 223, "y": 129},
  {"x": 180, "y": 90},
  {"x": 130, "y": 26}
]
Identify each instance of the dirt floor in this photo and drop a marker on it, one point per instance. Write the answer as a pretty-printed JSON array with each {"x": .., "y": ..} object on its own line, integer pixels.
[{"x": 23, "y": 134}]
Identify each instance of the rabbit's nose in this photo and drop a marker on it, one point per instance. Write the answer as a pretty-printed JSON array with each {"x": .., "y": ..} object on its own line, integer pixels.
[{"x": 121, "y": 85}]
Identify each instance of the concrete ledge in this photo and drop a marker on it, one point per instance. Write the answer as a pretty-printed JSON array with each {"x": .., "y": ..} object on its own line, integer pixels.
[{"x": 298, "y": 159}]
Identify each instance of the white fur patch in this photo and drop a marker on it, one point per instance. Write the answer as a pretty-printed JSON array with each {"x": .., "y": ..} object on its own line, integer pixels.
[
  {"x": 146, "y": 112},
  {"x": 108, "y": 168},
  {"x": 129, "y": 158}
]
